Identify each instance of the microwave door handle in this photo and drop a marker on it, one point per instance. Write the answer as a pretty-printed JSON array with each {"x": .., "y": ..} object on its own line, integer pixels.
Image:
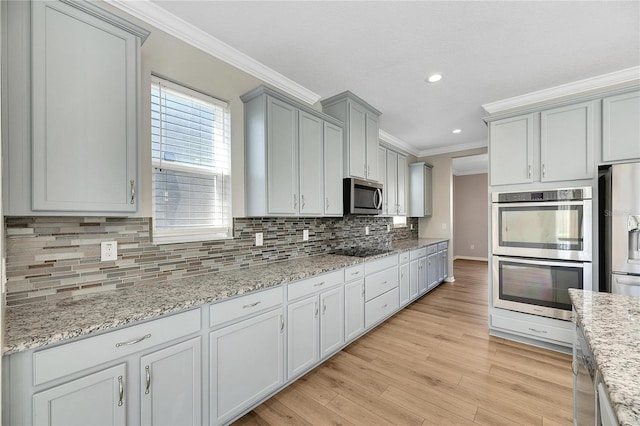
[{"x": 378, "y": 205}]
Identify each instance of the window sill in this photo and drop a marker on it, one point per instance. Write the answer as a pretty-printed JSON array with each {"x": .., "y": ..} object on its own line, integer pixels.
[{"x": 187, "y": 238}]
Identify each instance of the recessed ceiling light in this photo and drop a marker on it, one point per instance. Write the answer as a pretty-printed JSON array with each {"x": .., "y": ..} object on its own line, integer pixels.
[
  {"x": 434, "y": 77},
  {"x": 456, "y": 131}
]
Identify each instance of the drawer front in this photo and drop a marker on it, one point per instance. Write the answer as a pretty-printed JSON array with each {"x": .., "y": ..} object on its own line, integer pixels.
[
  {"x": 381, "y": 307},
  {"x": 378, "y": 265},
  {"x": 354, "y": 272},
  {"x": 249, "y": 304},
  {"x": 547, "y": 332},
  {"x": 432, "y": 249},
  {"x": 53, "y": 363},
  {"x": 405, "y": 257},
  {"x": 376, "y": 284},
  {"x": 311, "y": 285},
  {"x": 443, "y": 246},
  {"x": 418, "y": 253}
]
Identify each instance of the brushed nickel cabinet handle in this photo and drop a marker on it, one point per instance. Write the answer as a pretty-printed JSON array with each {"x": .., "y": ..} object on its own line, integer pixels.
[
  {"x": 327, "y": 203},
  {"x": 295, "y": 202},
  {"x": 133, "y": 191},
  {"x": 324, "y": 308},
  {"x": 315, "y": 306},
  {"x": 538, "y": 331},
  {"x": 544, "y": 170},
  {"x": 251, "y": 305},
  {"x": 133, "y": 342},
  {"x": 529, "y": 174},
  {"x": 120, "y": 391},
  {"x": 281, "y": 323},
  {"x": 385, "y": 305},
  {"x": 148, "y": 373},
  {"x": 319, "y": 284}
]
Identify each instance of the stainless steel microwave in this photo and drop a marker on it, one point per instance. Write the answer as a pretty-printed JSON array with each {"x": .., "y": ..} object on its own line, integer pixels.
[{"x": 362, "y": 197}]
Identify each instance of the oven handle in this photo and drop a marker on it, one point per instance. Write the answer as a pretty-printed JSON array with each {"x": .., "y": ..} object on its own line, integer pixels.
[{"x": 543, "y": 262}]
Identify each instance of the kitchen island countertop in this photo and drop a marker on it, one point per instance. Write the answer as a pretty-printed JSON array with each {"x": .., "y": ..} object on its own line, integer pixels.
[
  {"x": 34, "y": 325},
  {"x": 611, "y": 325}
]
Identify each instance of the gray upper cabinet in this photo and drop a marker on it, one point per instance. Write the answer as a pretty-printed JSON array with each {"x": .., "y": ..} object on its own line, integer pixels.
[
  {"x": 382, "y": 167},
  {"x": 402, "y": 185},
  {"x": 392, "y": 167},
  {"x": 361, "y": 122},
  {"x": 420, "y": 199},
  {"x": 621, "y": 127},
  {"x": 391, "y": 182},
  {"x": 291, "y": 166},
  {"x": 80, "y": 155},
  {"x": 567, "y": 143},
  {"x": 511, "y": 150}
]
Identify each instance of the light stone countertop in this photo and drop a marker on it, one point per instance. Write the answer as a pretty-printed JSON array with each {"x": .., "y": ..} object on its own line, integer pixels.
[
  {"x": 34, "y": 325},
  {"x": 611, "y": 325}
]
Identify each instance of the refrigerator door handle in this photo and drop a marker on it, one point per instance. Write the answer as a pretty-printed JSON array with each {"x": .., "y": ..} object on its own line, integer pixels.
[{"x": 634, "y": 223}]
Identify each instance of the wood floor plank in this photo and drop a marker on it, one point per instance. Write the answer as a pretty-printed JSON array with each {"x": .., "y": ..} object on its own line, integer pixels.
[{"x": 433, "y": 363}]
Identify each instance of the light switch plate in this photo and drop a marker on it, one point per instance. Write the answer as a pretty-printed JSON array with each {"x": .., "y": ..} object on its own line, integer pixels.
[
  {"x": 366, "y": 230},
  {"x": 108, "y": 250},
  {"x": 305, "y": 235}
]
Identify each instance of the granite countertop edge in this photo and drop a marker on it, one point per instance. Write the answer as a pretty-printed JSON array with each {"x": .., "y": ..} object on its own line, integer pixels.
[
  {"x": 611, "y": 326},
  {"x": 32, "y": 326}
]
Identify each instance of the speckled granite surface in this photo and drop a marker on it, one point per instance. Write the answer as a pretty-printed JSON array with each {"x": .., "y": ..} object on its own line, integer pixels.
[
  {"x": 35, "y": 325},
  {"x": 611, "y": 325}
]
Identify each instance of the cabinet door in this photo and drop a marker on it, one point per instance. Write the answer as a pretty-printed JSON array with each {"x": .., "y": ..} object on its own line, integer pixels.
[
  {"x": 247, "y": 363},
  {"x": 331, "y": 321},
  {"x": 354, "y": 309},
  {"x": 414, "y": 279},
  {"x": 404, "y": 284},
  {"x": 357, "y": 141},
  {"x": 392, "y": 183},
  {"x": 302, "y": 335},
  {"x": 428, "y": 191},
  {"x": 566, "y": 143},
  {"x": 98, "y": 398},
  {"x": 382, "y": 167},
  {"x": 444, "y": 270},
  {"x": 422, "y": 275},
  {"x": 333, "y": 170},
  {"x": 311, "y": 150},
  {"x": 511, "y": 150},
  {"x": 402, "y": 185},
  {"x": 84, "y": 112},
  {"x": 621, "y": 127},
  {"x": 433, "y": 261},
  {"x": 171, "y": 385},
  {"x": 282, "y": 142},
  {"x": 372, "y": 147}
]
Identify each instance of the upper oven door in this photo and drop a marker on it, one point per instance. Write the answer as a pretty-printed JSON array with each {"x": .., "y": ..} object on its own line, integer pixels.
[{"x": 547, "y": 230}]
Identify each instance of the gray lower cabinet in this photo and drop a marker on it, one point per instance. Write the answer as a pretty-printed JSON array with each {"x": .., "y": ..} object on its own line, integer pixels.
[
  {"x": 72, "y": 128},
  {"x": 621, "y": 127},
  {"x": 354, "y": 302},
  {"x": 403, "y": 284},
  {"x": 246, "y": 363},
  {"x": 433, "y": 270},
  {"x": 97, "y": 398},
  {"x": 420, "y": 192}
]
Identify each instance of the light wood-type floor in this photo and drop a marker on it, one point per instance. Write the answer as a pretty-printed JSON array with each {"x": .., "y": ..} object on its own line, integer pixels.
[{"x": 432, "y": 363}]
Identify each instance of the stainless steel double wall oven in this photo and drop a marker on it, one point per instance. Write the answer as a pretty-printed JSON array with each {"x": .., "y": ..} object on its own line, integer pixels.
[{"x": 542, "y": 246}]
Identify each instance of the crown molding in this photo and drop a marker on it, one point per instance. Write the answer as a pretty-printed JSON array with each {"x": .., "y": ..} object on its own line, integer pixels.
[
  {"x": 160, "y": 18},
  {"x": 629, "y": 75},
  {"x": 469, "y": 172},
  {"x": 388, "y": 138},
  {"x": 453, "y": 148}
]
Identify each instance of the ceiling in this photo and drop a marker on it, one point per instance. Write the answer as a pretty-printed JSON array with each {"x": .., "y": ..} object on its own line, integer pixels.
[{"x": 384, "y": 50}]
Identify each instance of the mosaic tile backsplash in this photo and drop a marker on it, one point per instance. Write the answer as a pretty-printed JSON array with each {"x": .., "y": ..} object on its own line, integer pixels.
[{"x": 58, "y": 257}]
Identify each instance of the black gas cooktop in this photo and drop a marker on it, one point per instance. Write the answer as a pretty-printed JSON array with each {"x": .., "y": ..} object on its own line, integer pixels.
[{"x": 362, "y": 251}]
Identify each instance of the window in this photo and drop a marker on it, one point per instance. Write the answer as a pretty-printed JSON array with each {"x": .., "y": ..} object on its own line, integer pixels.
[{"x": 191, "y": 158}]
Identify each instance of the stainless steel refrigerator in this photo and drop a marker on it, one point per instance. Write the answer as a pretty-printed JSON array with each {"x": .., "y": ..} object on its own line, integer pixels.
[{"x": 620, "y": 229}]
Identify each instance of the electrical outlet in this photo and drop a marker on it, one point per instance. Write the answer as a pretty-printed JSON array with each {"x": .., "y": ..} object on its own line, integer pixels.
[
  {"x": 108, "y": 250},
  {"x": 388, "y": 228},
  {"x": 259, "y": 240},
  {"x": 366, "y": 230},
  {"x": 472, "y": 246},
  {"x": 411, "y": 226},
  {"x": 305, "y": 235}
]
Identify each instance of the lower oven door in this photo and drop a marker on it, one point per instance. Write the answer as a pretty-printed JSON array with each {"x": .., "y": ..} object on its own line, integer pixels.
[{"x": 537, "y": 286}]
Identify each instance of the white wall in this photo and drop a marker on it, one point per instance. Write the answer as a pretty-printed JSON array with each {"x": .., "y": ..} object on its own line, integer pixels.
[{"x": 470, "y": 216}]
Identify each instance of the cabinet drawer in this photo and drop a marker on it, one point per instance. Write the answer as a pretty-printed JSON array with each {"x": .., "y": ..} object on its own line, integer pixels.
[
  {"x": 376, "y": 284},
  {"x": 405, "y": 257},
  {"x": 418, "y": 253},
  {"x": 354, "y": 272},
  {"x": 49, "y": 364},
  {"x": 381, "y": 307},
  {"x": 220, "y": 313},
  {"x": 443, "y": 246},
  {"x": 547, "y": 332},
  {"x": 378, "y": 265},
  {"x": 312, "y": 285},
  {"x": 432, "y": 249}
]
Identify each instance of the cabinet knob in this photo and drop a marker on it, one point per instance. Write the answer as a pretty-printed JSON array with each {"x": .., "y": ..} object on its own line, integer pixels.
[
  {"x": 302, "y": 204},
  {"x": 132, "y": 183}
]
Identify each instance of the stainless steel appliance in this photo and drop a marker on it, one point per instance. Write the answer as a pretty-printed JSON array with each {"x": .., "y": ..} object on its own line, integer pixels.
[
  {"x": 549, "y": 224},
  {"x": 537, "y": 286},
  {"x": 542, "y": 247},
  {"x": 362, "y": 197},
  {"x": 620, "y": 219}
]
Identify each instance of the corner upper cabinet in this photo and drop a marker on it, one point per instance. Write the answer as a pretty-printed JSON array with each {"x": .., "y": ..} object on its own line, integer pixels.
[
  {"x": 361, "y": 134},
  {"x": 511, "y": 150},
  {"x": 621, "y": 127},
  {"x": 420, "y": 192},
  {"x": 332, "y": 170},
  {"x": 80, "y": 153}
]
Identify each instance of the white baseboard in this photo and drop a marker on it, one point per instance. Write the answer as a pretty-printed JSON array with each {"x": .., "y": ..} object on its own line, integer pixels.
[{"x": 481, "y": 259}]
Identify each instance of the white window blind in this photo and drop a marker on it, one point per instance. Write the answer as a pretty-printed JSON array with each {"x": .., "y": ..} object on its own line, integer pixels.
[{"x": 191, "y": 158}]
